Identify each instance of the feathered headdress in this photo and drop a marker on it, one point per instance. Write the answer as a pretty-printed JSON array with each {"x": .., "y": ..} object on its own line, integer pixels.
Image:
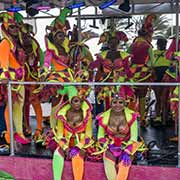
[
  {"x": 125, "y": 92},
  {"x": 105, "y": 36},
  {"x": 72, "y": 91},
  {"x": 7, "y": 19},
  {"x": 60, "y": 23}
]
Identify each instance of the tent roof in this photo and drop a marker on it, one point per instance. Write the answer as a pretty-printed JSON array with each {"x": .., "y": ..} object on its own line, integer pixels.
[
  {"x": 137, "y": 6},
  {"x": 144, "y": 7},
  {"x": 149, "y": 1}
]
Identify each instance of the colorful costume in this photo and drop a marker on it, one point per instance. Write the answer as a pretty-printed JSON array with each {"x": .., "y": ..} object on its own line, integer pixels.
[
  {"x": 111, "y": 65},
  {"x": 120, "y": 148},
  {"x": 173, "y": 100},
  {"x": 160, "y": 65},
  {"x": 141, "y": 50},
  {"x": 53, "y": 56},
  {"x": 173, "y": 55},
  {"x": 171, "y": 52},
  {"x": 57, "y": 57},
  {"x": 169, "y": 76},
  {"x": 174, "y": 103},
  {"x": 12, "y": 64},
  {"x": 75, "y": 140},
  {"x": 108, "y": 64},
  {"x": 33, "y": 55}
]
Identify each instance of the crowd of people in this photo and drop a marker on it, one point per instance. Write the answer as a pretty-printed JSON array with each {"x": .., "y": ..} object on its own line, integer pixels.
[{"x": 68, "y": 60}]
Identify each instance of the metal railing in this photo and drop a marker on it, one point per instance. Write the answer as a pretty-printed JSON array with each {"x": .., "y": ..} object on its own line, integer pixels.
[{"x": 10, "y": 83}]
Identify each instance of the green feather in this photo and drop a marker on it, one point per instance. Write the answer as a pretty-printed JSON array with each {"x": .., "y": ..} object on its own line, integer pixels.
[{"x": 18, "y": 17}]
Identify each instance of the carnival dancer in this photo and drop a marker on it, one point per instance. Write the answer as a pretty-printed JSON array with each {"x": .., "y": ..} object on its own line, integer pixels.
[
  {"x": 73, "y": 133},
  {"x": 33, "y": 56},
  {"x": 57, "y": 43},
  {"x": 12, "y": 66},
  {"x": 160, "y": 65},
  {"x": 57, "y": 59},
  {"x": 141, "y": 50},
  {"x": 117, "y": 136},
  {"x": 172, "y": 53},
  {"x": 170, "y": 75},
  {"x": 112, "y": 65}
]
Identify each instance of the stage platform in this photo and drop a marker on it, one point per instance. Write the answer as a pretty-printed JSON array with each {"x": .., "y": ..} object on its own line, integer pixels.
[
  {"x": 34, "y": 163},
  {"x": 165, "y": 155},
  {"x": 41, "y": 169}
]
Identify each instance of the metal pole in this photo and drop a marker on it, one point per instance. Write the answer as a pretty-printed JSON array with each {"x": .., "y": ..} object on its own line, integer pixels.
[
  {"x": 79, "y": 29},
  {"x": 79, "y": 24},
  {"x": 99, "y": 83},
  {"x": 177, "y": 63},
  {"x": 179, "y": 128},
  {"x": 11, "y": 120},
  {"x": 177, "y": 34},
  {"x": 177, "y": 72}
]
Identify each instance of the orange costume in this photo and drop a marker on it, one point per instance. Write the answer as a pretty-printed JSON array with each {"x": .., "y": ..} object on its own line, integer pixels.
[{"x": 12, "y": 68}]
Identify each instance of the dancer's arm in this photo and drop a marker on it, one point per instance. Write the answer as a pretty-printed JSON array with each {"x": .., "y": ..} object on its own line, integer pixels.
[
  {"x": 151, "y": 57},
  {"x": 133, "y": 132},
  {"x": 61, "y": 140}
]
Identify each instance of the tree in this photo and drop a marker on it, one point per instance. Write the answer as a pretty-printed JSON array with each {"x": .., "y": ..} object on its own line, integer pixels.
[{"x": 132, "y": 24}]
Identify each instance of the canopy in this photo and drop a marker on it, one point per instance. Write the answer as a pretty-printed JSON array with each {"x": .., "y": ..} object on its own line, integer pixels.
[
  {"x": 137, "y": 6},
  {"x": 144, "y": 7}
]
